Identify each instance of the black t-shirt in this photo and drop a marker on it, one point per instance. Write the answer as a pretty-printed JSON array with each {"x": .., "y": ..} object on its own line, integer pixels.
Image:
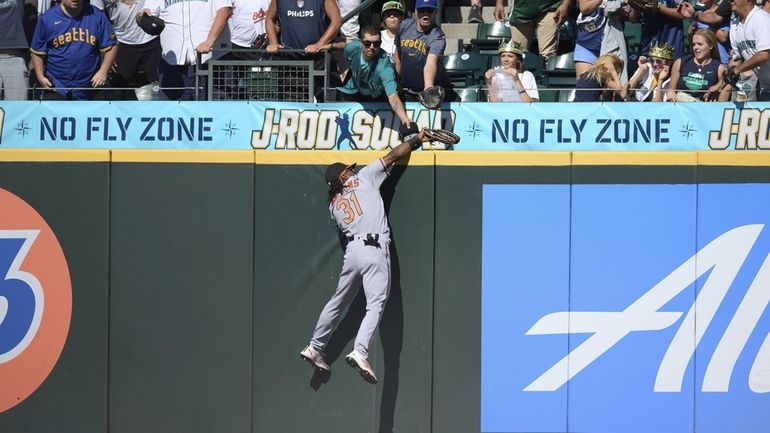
[
  {"x": 12, "y": 22},
  {"x": 724, "y": 10}
]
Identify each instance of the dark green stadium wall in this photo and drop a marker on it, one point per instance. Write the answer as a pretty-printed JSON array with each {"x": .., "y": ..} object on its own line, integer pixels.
[
  {"x": 72, "y": 195},
  {"x": 198, "y": 276}
]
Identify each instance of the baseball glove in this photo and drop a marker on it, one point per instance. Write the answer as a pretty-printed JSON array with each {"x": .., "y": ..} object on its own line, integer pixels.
[
  {"x": 431, "y": 97},
  {"x": 731, "y": 77},
  {"x": 646, "y": 6},
  {"x": 441, "y": 135}
]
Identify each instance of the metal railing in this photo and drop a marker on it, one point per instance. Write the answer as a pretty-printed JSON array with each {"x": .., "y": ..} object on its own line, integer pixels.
[{"x": 272, "y": 78}]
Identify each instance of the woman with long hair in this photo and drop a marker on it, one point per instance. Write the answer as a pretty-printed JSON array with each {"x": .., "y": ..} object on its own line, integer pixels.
[
  {"x": 601, "y": 81},
  {"x": 698, "y": 76}
]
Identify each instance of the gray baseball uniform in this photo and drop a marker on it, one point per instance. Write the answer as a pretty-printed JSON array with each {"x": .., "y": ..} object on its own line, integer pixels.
[{"x": 360, "y": 215}]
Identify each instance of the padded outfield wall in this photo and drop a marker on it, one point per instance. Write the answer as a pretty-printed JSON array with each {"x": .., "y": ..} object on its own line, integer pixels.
[{"x": 532, "y": 292}]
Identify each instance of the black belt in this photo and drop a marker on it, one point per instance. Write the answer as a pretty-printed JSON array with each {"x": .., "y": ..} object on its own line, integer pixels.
[{"x": 370, "y": 239}]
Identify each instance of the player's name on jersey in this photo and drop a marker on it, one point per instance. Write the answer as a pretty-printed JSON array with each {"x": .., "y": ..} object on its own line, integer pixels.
[{"x": 76, "y": 34}]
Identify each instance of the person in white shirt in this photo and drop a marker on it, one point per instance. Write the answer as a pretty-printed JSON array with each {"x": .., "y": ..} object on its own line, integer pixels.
[
  {"x": 192, "y": 27},
  {"x": 392, "y": 14},
  {"x": 247, "y": 28},
  {"x": 750, "y": 40},
  {"x": 139, "y": 51},
  {"x": 509, "y": 82}
]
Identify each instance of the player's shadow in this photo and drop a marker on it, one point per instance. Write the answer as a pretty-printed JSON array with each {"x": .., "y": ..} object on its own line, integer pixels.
[{"x": 391, "y": 325}]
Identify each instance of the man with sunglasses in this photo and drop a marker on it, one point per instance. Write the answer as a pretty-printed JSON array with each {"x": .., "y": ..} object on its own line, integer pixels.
[
  {"x": 420, "y": 46},
  {"x": 372, "y": 76}
]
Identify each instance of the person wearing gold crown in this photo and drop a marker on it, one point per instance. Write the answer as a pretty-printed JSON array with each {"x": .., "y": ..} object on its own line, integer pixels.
[
  {"x": 652, "y": 76},
  {"x": 509, "y": 82}
]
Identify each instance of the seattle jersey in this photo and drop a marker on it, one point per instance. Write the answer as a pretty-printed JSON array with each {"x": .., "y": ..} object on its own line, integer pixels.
[
  {"x": 750, "y": 37},
  {"x": 188, "y": 23},
  {"x": 358, "y": 209},
  {"x": 72, "y": 45}
]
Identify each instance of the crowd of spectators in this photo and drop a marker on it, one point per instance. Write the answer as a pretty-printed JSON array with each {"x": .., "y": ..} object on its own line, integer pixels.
[{"x": 149, "y": 49}]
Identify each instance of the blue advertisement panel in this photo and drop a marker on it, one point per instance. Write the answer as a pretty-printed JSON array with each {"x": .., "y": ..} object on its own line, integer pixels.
[
  {"x": 653, "y": 325},
  {"x": 346, "y": 126},
  {"x": 627, "y": 291},
  {"x": 525, "y": 270},
  {"x": 732, "y": 361}
]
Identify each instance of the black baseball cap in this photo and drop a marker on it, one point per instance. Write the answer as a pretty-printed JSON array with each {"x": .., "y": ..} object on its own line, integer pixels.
[
  {"x": 151, "y": 25},
  {"x": 334, "y": 171}
]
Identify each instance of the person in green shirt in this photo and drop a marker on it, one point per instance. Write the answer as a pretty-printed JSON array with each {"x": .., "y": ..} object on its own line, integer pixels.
[{"x": 372, "y": 76}]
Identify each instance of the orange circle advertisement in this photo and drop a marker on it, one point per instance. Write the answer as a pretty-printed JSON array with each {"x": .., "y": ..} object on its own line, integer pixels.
[{"x": 35, "y": 300}]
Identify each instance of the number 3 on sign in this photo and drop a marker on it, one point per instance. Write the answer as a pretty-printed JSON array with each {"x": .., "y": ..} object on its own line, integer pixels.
[{"x": 350, "y": 211}]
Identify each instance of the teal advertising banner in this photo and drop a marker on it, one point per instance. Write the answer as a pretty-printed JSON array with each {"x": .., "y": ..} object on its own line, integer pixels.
[{"x": 346, "y": 126}]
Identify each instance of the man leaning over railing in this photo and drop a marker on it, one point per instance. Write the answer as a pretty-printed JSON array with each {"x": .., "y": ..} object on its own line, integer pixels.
[{"x": 372, "y": 76}]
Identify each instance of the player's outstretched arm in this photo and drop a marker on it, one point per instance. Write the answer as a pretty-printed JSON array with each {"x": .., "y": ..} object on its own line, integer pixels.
[{"x": 404, "y": 149}]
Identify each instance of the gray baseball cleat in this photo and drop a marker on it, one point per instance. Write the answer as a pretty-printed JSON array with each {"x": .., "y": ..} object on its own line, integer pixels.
[
  {"x": 314, "y": 357},
  {"x": 357, "y": 361}
]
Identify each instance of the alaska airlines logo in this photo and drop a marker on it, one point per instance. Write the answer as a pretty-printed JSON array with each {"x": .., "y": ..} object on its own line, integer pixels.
[
  {"x": 723, "y": 257},
  {"x": 35, "y": 300}
]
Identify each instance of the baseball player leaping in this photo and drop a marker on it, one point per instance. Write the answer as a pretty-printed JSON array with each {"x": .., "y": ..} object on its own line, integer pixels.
[{"x": 356, "y": 206}]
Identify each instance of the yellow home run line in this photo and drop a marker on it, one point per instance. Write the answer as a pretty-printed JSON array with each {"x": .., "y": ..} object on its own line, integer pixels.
[
  {"x": 421, "y": 158},
  {"x": 54, "y": 155},
  {"x": 184, "y": 156},
  {"x": 503, "y": 158},
  {"x": 326, "y": 157}
]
